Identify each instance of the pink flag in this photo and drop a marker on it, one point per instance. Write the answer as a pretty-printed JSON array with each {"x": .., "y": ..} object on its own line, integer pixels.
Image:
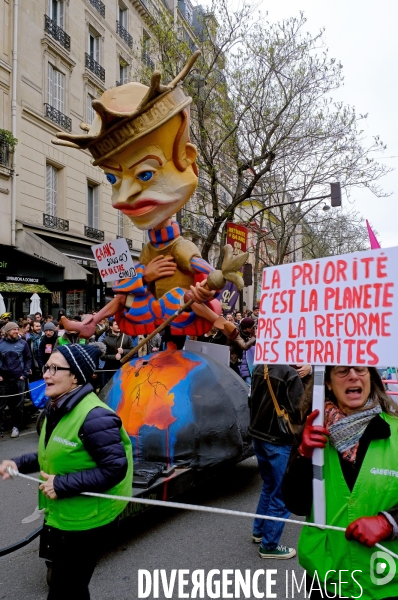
[{"x": 372, "y": 238}]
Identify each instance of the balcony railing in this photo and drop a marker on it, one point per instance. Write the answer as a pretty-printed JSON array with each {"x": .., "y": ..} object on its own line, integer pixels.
[
  {"x": 58, "y": 117},
  {"x": 4, "y": 152},
  {"x": 94, "y": 67},
  {"x": 129, "y": 242},
  {"x": 124, "y": 34},
  {"x": 148, "y": 61},
  {"x": 56, "y": 32},
  {"x": 55, "y": 223},
  {"x": 196, "y": 224},
  {"x": 95, "y": 234},
  {"x": 99, "y": 6}
]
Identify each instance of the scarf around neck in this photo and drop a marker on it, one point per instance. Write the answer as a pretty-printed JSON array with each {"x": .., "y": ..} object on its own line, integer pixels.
[{"x": 347, "y": 430}]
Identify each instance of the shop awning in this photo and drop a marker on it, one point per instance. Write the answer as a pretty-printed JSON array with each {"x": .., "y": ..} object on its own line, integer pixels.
[{"x": 30, "y": 243}]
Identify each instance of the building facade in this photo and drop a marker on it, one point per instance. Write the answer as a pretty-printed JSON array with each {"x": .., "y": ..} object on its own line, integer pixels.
[{"x": 56, "y": 57}]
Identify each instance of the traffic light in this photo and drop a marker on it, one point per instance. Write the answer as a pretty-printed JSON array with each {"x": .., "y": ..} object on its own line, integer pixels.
[
  {"x": 248, "y": 274},
  {"x": 335, "y": 194}
]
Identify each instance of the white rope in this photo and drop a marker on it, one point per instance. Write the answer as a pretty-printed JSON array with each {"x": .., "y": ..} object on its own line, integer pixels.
[
  {"x": 43, "y": 384},
  {"x": 21, "y": 393},
  {"x": 196, "y": 507}
]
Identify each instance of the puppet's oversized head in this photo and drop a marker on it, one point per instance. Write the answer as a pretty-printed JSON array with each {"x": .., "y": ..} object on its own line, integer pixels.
[{"x": 140, "y": 138}]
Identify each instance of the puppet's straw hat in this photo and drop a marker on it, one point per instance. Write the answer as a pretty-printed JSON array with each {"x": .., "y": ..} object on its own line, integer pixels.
[{"x": 128, "y": 112}]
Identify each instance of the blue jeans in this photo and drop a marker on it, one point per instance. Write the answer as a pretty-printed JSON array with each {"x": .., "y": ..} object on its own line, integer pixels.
[{"x": 272, "y": 463}]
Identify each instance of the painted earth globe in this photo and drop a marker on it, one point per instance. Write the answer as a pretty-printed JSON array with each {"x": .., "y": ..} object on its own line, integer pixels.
[{"x": 181, "y": 408}]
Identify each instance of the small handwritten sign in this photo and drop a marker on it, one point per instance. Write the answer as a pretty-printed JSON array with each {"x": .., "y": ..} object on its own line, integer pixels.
[{"x": 114, "y": 260}]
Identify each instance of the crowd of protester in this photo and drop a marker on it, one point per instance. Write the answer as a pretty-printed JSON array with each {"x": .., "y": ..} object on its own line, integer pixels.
[{"x": 27, "y": 343}]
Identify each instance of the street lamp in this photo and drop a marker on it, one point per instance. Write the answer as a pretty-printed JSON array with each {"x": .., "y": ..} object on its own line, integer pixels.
[{"x": 335, "y": 197}]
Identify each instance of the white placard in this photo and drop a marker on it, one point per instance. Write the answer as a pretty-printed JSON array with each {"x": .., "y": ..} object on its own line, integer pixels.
[
  {"x": 114, "y": 260},
  {"x": 339, "y": 310}
]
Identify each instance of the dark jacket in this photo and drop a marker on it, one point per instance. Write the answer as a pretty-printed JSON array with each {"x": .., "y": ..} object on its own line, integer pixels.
[
  {"x": 100, "y": 434},
  {"x": 15, "y": 359},
  {"x": 112, "y": 343},
  {"x": 297, "y": 482},
  {"x": 240, "y": 344},
  {"x": 46, "y": 348},
  {"x": 288, "y": 390},
  {"x": 34, "y": 343}
]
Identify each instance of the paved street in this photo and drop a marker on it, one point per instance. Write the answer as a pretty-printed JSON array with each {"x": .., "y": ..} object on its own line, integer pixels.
[{"x": 161, "y": 539}]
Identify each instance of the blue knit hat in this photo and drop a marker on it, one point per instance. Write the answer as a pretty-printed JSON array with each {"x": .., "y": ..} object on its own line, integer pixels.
[{"x": 82, "y": 360}]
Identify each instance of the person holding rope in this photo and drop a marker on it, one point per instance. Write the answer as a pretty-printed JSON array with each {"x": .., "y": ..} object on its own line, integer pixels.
[
  {"x": 360, "y": 441},
  {"x": 83, "y": 447}
]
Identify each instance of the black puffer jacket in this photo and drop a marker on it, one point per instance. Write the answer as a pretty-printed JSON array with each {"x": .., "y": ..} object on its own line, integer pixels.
[
  {"x": 288, "y": 390},
  {"x": 100, "y": 434}
]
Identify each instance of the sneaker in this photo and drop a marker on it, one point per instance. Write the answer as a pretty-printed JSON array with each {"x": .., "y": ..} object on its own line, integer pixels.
[
  {"x": 257, "y": 537},
  {"x": 15, "y": 432},
  {"x": 281, "y": 552},
  {"x": 1, "y": 435}
]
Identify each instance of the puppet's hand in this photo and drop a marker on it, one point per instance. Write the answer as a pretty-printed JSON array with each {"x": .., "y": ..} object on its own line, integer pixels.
[
  {"x": 198, "y": 293},
  {"x": 161, "y": 266}
]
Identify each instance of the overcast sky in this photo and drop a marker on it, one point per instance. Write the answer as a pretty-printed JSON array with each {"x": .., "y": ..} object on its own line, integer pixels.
[{"x": 363, "y": 35}]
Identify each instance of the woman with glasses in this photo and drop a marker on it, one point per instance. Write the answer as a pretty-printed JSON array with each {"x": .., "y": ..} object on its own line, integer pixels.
[
  {"x": 82, "y": 448},
  {"x": 360, "y": 441}
]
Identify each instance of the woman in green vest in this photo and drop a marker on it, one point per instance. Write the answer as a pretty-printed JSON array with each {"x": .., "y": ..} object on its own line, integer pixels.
[
  {"x": 360, "y": 441},
  {"x": 83, "y": 447}
]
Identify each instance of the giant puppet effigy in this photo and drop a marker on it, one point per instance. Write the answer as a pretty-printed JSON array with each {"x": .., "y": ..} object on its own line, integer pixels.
[
  {"x": 140, "y": 138},
  {"x": 178, "y": 407}
]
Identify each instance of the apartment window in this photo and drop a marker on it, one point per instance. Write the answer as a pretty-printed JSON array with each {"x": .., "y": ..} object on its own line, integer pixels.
[
  {"x": 56, "y": 88},
  {"x": 90, "y": 110},
  {"x": 123, "y": 14},
  {"x": 123, "y": 75},
  {"x": 57, "y": 12},
  {"x": 146, "y": 43},
  {"x": 51, "y": 190},
  {"x": 93, "y": 206},
  {"x": 94, "y": 46},
  {"x": 189, "y": 13},
  {"x": 120, "y": 224}
]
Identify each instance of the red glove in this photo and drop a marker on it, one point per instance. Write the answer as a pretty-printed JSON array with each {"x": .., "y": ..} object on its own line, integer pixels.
[
  {"x": 369, "y": 530},
  {"x": 313, "y": 436}
]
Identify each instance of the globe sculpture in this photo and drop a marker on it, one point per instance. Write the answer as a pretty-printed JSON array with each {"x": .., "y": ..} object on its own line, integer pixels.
[{"x": 181, "y": 408}]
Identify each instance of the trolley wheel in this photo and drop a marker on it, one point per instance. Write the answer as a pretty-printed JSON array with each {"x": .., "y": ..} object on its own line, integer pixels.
[
  {"x": 40, "y": 421},
  {"x": 49, "y": 571}
]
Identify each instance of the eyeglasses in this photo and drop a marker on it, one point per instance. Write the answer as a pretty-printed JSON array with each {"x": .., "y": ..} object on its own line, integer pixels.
[
  {"x": 53, "y": 369},
  {"x": 344, "y": 371}
]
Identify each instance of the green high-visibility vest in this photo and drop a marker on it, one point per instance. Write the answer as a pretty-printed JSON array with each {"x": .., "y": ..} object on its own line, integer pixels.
[
  {"x": 376, "y": 489},
  {"x": 64, "y": 342},
  {"x": 65, "y": 453}
]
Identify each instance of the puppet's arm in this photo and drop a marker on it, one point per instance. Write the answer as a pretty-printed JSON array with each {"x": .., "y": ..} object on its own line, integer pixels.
[{"x": 161, "y": 266}]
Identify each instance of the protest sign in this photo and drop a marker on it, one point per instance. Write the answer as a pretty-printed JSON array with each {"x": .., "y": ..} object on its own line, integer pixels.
[
  {"x": 114, "y": 260},
  {"x": 237, "y": 237},
  {"x": 339, "y": 310}
]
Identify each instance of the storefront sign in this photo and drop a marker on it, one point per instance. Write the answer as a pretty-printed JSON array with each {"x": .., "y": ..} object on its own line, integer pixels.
[
  {"x": 340, "y": 310},
  {"x": 237, "y": 237},
  {"x": 23, "y": 279},
  {"x": 114, "y": 260}
]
